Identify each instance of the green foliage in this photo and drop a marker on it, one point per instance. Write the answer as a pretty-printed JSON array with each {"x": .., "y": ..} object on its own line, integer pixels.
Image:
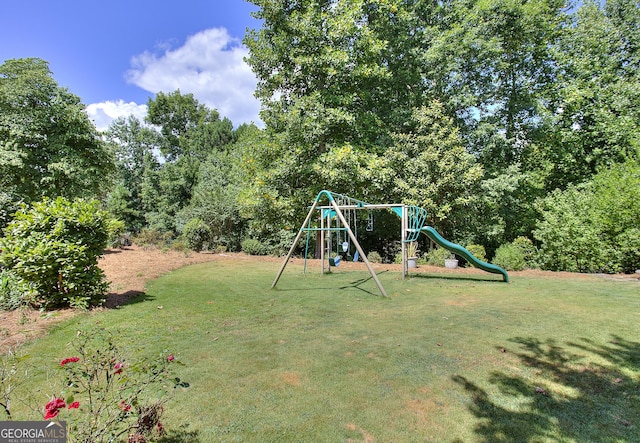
[
  {"x": 281, "y": 242},
  {"x": 135, "y": 193},
  {"x": 12, "y": 295},
  {"x": 478, "y": 251},
  {"x": 151, "y": 237},
  {"x": 215, "y": 200},
  {"x": 53, "y": 247},
  {"x": 196, "y": 233},
  {"x": 510, "y": 257},
  {"x": 432, "y": 168},
  {"x": 253, "y": 246},
  {"x": 507, "y": 207},
  {"x": 117, "y": 236},
  {"x": 437, "y": 256},
  {"x": 529, "y": 251},
  {"x": 9, "y": 204},
  {"x": 48, "y": 145},
  {"x": 412, "y": 249},
  {"x": 374, "y": 257},
  {"x": 339, "y": 71},
  {"x": 596, "y": 104},
  {"x": 593, "y": 228}
]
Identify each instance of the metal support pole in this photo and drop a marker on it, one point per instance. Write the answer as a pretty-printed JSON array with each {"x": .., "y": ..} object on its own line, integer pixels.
[
  {"x": 403, "y": 237},
  {"x": 322, "y": 240},
  {"x": 295, "y": 242}
]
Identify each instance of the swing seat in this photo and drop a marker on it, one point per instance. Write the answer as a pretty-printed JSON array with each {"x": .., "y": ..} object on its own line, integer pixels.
[{"x": 335, "y": 261}]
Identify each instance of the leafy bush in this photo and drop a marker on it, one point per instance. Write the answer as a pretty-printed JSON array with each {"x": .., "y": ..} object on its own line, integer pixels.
[
  {"x": 53, "y": 249},
  {"x": 281, "y": 242},
  {"x": 196, "y": 234},
  {"x": 117, "y": 236},
  {"x": 510, "y": 257},
  {"x": 374, "y": 257},
  {"x": 150, "y": 237},
  {"x": 9, "y": 204},
  {"x": 436, "y": 257},
  {"x": 529, "y": 251},
  {"x": 253, "y": 246},
  {"x": 12, "y": 295},
  {"x": 593, "y": 227}
]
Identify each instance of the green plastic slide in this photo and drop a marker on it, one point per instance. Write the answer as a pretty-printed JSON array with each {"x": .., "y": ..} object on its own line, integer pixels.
[{"x": 464, "y": 253}]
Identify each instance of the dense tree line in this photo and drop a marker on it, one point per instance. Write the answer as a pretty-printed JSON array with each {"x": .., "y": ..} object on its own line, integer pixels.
[{"x": 513, "y": 123}]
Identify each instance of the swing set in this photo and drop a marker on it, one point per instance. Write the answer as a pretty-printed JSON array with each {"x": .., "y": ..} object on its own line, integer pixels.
[{"x": 339, "y": 215}]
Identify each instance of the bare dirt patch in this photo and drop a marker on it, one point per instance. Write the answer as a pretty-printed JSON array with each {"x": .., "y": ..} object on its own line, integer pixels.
[{"x": 128, "y": 270}]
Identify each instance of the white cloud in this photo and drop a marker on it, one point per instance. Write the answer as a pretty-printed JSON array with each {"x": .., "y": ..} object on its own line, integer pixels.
[
  {"x": 209, "y": 65},
  {"x": 104, "y": 113}
]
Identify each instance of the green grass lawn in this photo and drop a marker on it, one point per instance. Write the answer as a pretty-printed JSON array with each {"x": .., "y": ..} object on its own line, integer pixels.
[{"x": 449, "y": 358}]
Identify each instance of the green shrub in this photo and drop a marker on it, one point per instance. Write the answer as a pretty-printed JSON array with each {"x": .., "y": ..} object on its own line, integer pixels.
[
  {"x": 281, "y": 242},
  {"x": 253, "y": 246},
  {"x": 436, "y": 257},
  {"x": 510, "y": 257},
  {"x": 53, "y": 249},
  {"x": 593, "y": 227},
  {"x": 529, "y": 251},
  {"x": 151, "y": 237},
  {"x": 196, "y": 233},
  {"x": 117, "y": 236},
  {"x": 478, "y": 252},
  {"x": 374, "y": 257},
  {"x": 12, "y": 294},
  {"x": 179, "y": 245},
  {"x": 9, "y": 204}
]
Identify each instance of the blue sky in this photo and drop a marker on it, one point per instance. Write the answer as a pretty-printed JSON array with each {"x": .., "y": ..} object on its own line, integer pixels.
[{"x": 116, "y": 54}]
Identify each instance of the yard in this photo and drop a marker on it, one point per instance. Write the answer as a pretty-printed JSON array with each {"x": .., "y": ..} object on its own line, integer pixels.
[{"x": 454, "y": 356}]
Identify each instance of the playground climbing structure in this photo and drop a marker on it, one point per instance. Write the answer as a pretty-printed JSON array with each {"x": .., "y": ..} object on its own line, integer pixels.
[{"x": 337, "y": 214}]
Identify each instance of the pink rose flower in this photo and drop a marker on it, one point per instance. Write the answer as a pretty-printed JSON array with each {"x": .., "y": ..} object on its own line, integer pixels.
[
  {"x": 52, "y": 408},
  {"x": 74, "y": 405},
  {"x": 171, "y": 357},
  {"x": 69, "y": 360}
]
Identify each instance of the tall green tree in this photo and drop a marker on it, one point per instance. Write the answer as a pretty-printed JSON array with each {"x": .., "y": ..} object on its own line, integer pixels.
[
  {"x": 593, "y": 122},
  {"x": 190, "y": 132},
  {"x": 335, "y": 79},
  {"x": 491, "y": 63},
  {"x": 333, "y": 71},
  {"x": 48, "y": 145},
  {"x": 188, "y": 127},
  {"x": 432, "y": 169},
  {"x": 135, "y": 147}
]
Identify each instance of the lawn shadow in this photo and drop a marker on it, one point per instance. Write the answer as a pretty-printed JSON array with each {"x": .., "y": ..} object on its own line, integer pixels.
[
  {"x": 352, "y": 285},
  {"x": 575, "y": 399},
  {"x": 456, "y": 277},
  {"x": 180, "y": 436},
  {"x": 356, "y": 284},
  {"x": 116, "y": 299}
]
